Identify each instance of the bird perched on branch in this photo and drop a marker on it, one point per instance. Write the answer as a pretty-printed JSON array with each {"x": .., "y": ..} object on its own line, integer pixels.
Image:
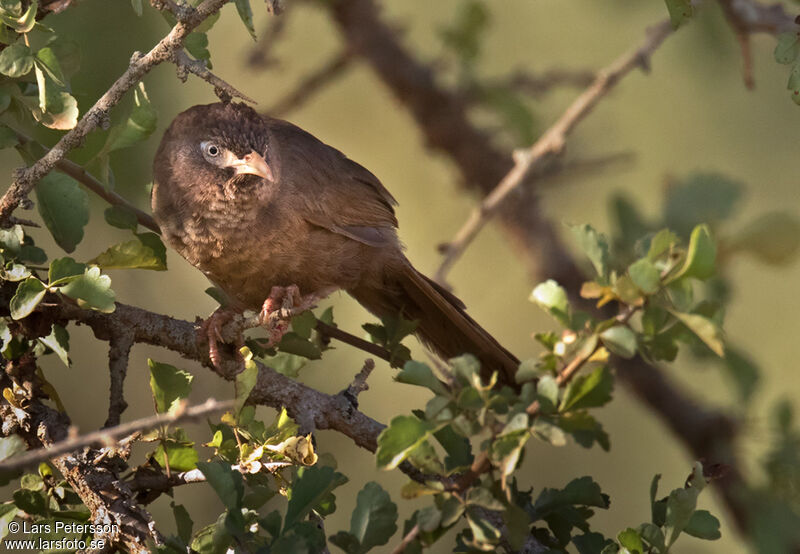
[{"x": 267, "y": 211}]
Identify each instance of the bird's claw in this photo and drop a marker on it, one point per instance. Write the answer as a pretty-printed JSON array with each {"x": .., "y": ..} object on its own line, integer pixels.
[
  {"x": 211, "y": 331},
  {"x": 279, "y": 307}
]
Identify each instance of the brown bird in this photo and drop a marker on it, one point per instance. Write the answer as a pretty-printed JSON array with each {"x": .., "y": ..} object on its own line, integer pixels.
[{"x": 264, "y": 208}]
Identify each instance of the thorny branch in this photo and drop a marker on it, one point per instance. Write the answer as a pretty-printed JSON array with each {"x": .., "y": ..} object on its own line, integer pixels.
[
  {"x": 222, "y": 89},
  {"x": 551, "y": 143},
  {"x": 109, "y": 436},
  {"x": 25, "y": 179}
]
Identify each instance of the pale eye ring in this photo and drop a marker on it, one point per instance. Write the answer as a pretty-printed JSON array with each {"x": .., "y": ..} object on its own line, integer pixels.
[{"x": 210, "y": 149}]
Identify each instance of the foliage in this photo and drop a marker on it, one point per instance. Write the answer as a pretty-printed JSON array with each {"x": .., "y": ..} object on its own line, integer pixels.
[{"x": 659, "y": 289}]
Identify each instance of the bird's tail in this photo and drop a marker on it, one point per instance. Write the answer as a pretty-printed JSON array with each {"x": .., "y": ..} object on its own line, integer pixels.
[{"x": 443, "y": 325}]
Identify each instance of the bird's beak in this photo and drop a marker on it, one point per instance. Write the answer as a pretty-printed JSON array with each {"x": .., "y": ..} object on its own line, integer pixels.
[{"x": 252, "y": 164}]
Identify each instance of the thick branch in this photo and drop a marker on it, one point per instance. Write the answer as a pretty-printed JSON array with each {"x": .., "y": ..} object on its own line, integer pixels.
[{"x": 310, "y": 408}]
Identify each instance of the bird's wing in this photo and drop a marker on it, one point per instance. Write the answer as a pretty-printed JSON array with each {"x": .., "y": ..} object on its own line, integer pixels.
[{"x": 336, "y": 193}]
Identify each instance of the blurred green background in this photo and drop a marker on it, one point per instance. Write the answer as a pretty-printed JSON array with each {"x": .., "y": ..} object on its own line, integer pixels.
[{"x": 690, "y": 113}]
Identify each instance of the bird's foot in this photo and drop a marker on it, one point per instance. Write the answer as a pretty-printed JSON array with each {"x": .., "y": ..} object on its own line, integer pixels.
[
  {"x": 280, "y": 306},
  {"x": 211, "y": 331}
]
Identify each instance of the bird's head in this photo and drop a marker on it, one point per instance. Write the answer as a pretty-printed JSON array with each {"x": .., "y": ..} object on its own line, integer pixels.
[{"x": 214, "y": 145}]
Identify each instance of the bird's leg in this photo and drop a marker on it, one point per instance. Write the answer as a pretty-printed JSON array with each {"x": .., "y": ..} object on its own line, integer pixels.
[
  {"x": 280, "y": 306},
  {"x": 211, "y": 331}
]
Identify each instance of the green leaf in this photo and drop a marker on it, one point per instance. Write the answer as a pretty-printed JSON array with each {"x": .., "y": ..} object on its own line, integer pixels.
[
  {"x": 121, "y": 217},
  {"x": 68, "y": 53},
  {"x": 196, "y": 44},
  {"x": 585, "y": 429},
  {"x": 64, "y": 270},
  {"x": 58, "y": 342},
  {"x": 418, "y": 373},
  {"x": 132, "y": 254},
  {"x": 463, "y": 36},
  {"x": 680, "y": 11},
  {"x": 29, "y": 293},
  {"x": 310, "y": 487},
  {"x": 374, "y": 519},
  {"x": 227, "y": 483},
  {"x": 458, "y": 448},
  {"x": 64, "y": 207},
  {"x": 11, "y": 7},
  {"x": 700, "y": 198},
  {"x": 788, "y": 47},
  {"x": 773, "y": 238},
  {"x": 483, "y": 532},
  {"x": 346, "y": 541},
  {"x": 23, "y": 23},
  {"x": 169, "y": 385},
  {"x": 183, "y": 522},
  {"x": 645, "y": 275},
  {"x": 661, "y": 243},
  {"x": 7, "y": 514},
  {"x": 620, "y": 340},
  {"x": 47, "y": 60},
  {"x": 582, "y": 491},
  {"x": 31, "y": 502},
  {"x": 16, "y": 60},
  {"x": 589, "y": 391},
  {"x": 246, "y": 15},
  {"x": 517, "y": 522},
  {"x": 700, "y": 257},
  {"x": 181, "y": 457},
  {"x": 91, "y": 290},
  {"x": 654, "y": 536},
  {"x": 630, "y": 539},
  {"x": 245, "y": 381},
  {"x": 548, "y": 431},
  {"x": 292, "y": 343},
  {"x": 681, "y": 504},
  {"x": 139, "y": 125},
  {"x": 708, "y": 331},
  {"x": 303, "y": 324},
  {"x": 703, "y": 525},
  {"x": 137, "y": 9},
  {"x": 11, "y": 445},
  {"x": 552, "y": 298},
  {"x": 396, "y": 441},
  {"x": 595, "y": 246},
  {"x": 8, "y": 137},
  {"x": 62, "y": 108}
]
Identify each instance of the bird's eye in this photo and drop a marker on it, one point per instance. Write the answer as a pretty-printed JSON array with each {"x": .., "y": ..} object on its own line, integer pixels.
[{"x": 210, "y": 149}]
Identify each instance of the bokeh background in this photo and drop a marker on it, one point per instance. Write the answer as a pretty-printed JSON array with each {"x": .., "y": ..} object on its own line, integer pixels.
[{"x": 691, "y": 113}]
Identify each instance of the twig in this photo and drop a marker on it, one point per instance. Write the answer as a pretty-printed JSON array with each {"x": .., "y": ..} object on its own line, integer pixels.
[
  {"x": 312, "y": 84},
  {"x": 407, "y": 539},
  {"x": 352, "y": 340},
  {"x": 222, "y": 89},
  {"x": 107, "y": 437},
  {"x": 119, "y": 349},
  {"x": 551, "y": 143},
  {"x": 533, "y": 84},
  {"x": 25, "y": 179},
  {"x": 92, "y": 183},
  {"x": 359, "y": 383},
  {"x": 161, "y": 482}
]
